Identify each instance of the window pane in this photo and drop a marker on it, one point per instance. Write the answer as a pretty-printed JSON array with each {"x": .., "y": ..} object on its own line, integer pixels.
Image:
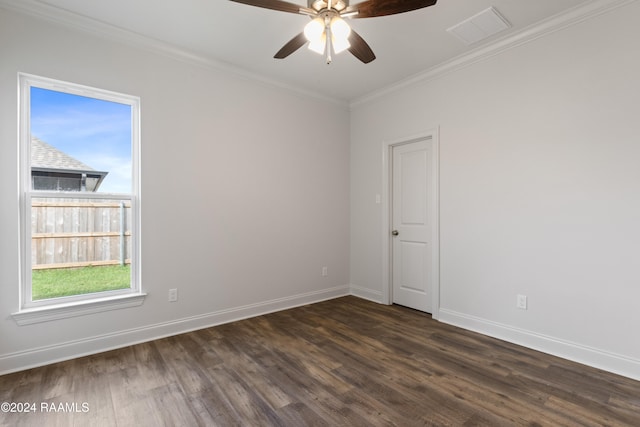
[
  {"x": 79, "y": 143},
  {"x": 79, "y": 246}
]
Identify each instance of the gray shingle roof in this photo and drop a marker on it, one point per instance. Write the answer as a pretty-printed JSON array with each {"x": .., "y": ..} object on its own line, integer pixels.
[{"x": 44, "y": 156}]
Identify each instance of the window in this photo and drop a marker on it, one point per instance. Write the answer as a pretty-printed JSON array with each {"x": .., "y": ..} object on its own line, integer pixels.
[{"x": 80, "y": 212}]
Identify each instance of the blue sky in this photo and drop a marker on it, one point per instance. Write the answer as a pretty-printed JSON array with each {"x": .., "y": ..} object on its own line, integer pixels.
[{"x": 96, "y": 132}]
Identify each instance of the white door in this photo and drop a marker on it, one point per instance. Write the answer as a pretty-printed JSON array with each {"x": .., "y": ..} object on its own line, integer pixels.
[{"x": 412, "y": 245}]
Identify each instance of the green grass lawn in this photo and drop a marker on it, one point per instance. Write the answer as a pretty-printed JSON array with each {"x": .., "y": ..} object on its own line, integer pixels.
[{"x": 61, "y": 282}]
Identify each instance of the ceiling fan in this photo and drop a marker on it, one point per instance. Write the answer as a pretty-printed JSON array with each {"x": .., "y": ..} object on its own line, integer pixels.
[{"x": 328, "y": 32}]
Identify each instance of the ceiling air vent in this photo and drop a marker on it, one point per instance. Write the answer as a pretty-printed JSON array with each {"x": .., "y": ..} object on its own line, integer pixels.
[{"x": 480, "y": 26}]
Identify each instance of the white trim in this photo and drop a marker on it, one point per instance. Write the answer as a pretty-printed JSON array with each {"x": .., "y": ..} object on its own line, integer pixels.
[
  {"x": 387, "y": 147},
  {"x": 386, "y": 222},
  {"x": 57, "y": 308},
  {"x": 550, "y": 25},
  {"x": 366, "y": 293},
  {"x": 62, "y": 311},
  {"x": 585, "y": 355},
  {"x": 40, "y": 356}
]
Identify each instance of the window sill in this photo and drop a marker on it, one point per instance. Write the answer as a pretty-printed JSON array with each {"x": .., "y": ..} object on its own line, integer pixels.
[{"x": 63, "y": 311}]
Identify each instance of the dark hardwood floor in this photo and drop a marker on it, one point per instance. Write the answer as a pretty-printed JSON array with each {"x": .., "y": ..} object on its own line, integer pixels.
[{"x": 344, "y": 362}]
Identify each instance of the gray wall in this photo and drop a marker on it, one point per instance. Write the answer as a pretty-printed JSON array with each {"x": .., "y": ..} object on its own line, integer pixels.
[
  {"x": 232, "y": 169},
  {"x": 539, "y": 189}
]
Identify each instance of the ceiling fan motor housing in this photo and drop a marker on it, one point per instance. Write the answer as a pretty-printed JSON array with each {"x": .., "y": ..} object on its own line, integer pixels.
[{"x": 319, "y": 5}]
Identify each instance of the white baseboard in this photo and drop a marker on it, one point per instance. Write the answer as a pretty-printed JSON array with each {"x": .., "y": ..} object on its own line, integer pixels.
[
  {"x": 607, "y": 361},
  {"x": 600, "y": 359},
  {"x": 41, "y": 356},
  {"x": 365, "y": 293}
]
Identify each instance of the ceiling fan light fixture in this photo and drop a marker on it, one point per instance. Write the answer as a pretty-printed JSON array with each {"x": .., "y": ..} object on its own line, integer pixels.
[
  {"x": 319, "y": 45},
  {"x": 314, "y": 30},
  {"x": 340, "y": 32},
  {"x": 340, "y": 44},
  {"x": 340, "y": 28}
]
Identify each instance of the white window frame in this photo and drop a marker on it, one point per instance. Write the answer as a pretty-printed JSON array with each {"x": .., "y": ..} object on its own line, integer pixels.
[{"x": 62, "y": 307}]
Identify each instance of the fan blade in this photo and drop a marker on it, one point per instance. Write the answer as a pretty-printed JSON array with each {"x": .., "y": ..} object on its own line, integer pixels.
[
  {"x": 292, "y": 45},
  {"x": 372, "y": 8},
  {"x": 282, "y": 6},
  {"x": 360, "y": 49}
]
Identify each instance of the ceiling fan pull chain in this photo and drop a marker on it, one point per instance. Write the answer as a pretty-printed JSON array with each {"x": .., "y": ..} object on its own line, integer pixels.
[{"x": 327, "y": 32}]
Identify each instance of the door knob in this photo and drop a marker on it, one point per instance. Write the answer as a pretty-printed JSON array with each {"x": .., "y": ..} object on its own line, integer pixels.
[{"x": 395, "y": 232}]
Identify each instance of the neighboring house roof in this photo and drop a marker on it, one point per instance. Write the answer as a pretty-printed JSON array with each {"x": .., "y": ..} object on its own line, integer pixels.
[
  {"x": 46, "y": 157},
  {"x": 52, "y": 169}
]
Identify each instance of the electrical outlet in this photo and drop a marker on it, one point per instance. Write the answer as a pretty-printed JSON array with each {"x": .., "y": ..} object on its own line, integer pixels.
[
  {"x": 522, "y": 302},
  {"x": 325, "y": 271},
  {"x": 173, "y": 295}
]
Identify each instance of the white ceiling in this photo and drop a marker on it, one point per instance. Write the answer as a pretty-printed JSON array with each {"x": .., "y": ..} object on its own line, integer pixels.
[{"x": 247, "y": 37}]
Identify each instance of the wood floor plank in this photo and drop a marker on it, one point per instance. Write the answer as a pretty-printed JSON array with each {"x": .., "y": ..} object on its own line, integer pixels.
[
  {"x": 343, "y": 362},
  {"x": 246, "y": 403},
  {"x": 92, "y": 405},
  {"x": 130, "y": 394},
  {"x": 57, "y": 380},
  {"x": 256, "y": 375},
  {"x": 299, "y": 414}
]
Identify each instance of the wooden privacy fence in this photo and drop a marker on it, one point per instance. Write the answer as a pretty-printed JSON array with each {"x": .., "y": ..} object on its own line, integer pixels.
[{"x": 78, "y": 232}]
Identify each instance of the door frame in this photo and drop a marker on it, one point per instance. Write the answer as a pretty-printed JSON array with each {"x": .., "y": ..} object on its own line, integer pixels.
[{"x": 387, "y": 178}]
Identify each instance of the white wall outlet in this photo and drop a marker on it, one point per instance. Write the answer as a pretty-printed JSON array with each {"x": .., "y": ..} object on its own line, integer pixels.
[
  {"x": 325, "y": 271},
  {"x": 522, "y": 302},
  {"x": 173, "y": 295}
]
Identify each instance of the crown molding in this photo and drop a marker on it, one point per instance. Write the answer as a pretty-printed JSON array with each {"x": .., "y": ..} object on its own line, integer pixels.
[
  {"x": 547, "y": 26},
  {"x": 110, "y": 32}
]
